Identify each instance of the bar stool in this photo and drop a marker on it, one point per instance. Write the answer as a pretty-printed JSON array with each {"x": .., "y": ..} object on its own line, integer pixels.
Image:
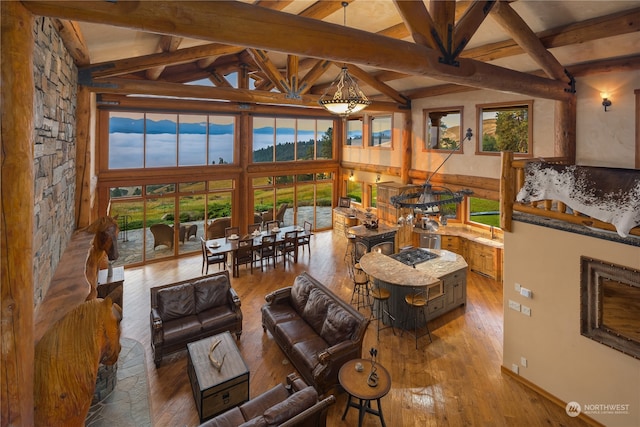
[
  {"x": 360, "y": 295},
  {"x": 417, "y": 301},
  {"x": 381, "y": 308}
]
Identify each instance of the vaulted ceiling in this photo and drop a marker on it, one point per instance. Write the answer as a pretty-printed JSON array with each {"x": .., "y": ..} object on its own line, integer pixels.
[{"x": 289, "y": 51}]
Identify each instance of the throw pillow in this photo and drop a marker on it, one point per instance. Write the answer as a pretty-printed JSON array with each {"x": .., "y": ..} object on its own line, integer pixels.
[{"x": 287, "y": 409}]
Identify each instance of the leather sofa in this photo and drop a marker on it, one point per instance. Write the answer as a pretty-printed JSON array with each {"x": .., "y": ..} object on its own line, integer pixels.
[
  {"x": 296, "y": 404},
  {"x": 190, "y": 310},
  {"x": 315, "y": 329}
]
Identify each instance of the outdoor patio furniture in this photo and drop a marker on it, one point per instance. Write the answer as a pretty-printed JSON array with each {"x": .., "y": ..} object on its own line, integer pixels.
[{"x": 162, "y": 235}]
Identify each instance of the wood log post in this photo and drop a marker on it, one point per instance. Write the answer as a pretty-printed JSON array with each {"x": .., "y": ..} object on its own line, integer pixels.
[
  {"x": 84, "y": 166},
  {"x": 565, "y": 129},
  {"x": 507, "y": 195},
  {"x": 406, "y": 148},
  {"x": 17, "y": 208}
]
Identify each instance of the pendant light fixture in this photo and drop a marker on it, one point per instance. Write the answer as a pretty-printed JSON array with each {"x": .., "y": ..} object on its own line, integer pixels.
[{"x": 347, "y": 98}]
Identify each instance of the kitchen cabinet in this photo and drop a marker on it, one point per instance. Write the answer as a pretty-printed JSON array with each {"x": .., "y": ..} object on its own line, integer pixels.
[
  {"x": 484, "y": 259},
  {"x": 390, "y": 214}
]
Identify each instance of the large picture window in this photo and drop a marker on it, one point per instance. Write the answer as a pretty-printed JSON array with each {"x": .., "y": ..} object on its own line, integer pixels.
[
  {"x": 288, "y": 139},
  {"x": 443, "y": 129},
  {"x": 152, "y": 140},
  {"x": 506, "y": 127},
  {"x": 380, "y": 131}
]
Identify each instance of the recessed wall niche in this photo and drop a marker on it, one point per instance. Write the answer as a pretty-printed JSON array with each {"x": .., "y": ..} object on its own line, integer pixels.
[{"x": 610, "y": 305}]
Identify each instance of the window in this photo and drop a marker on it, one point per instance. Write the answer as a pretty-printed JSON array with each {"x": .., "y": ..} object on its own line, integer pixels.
[
  {"x": 151, "y": 140},
  {"x": 288, "y": 139},
  {"x": 484, "y": 211},
  {"x": 443, "y": 129},
  {"x": 380, "y": 131},
  {"x": 506, "y": 127},
  {"x": 354, "y": 190},
  {"x": 354, "y": 133}
]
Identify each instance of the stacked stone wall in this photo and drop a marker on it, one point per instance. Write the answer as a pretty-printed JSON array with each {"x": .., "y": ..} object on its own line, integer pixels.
[{"x": 56, "y": 83}]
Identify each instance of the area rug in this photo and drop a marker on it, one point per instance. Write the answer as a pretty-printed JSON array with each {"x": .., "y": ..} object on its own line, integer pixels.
[{"x": 128, "y": 403}]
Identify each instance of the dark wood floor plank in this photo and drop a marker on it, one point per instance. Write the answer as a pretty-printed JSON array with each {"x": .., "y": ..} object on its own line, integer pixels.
[{"x": 454, "y": 381}]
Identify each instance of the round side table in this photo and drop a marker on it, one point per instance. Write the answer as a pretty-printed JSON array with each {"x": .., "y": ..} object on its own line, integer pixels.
[{"x": 355, "y": 384}]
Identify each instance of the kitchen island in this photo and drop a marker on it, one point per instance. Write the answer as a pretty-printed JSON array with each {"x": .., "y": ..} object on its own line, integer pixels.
[{"x": 444, "y": 276}]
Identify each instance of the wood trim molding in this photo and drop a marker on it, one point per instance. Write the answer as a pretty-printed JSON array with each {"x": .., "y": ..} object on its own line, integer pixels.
[{"x": 637, "y": 92}]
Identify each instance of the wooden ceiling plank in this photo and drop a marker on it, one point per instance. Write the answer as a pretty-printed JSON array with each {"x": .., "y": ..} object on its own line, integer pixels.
[
  {"x": 269, "y": 69},
  {"x": 74, "y": 41},
  {"x": 166, "y": 44},
  {"x": 376, "y": 84},
  {"x": 504, "y": 15},
  {"x": 324, "y": 8},
  {"x": 295, "y": 35},
  {"x": 469, "y": 23},
  {"x": 418, "y": 21},
  {"x": 313, "y": 75},
  {"x": 273, "y": 4}
]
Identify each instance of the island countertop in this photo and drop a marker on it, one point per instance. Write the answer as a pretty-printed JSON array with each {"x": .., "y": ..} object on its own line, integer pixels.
[{"x": 389, "y": 270}]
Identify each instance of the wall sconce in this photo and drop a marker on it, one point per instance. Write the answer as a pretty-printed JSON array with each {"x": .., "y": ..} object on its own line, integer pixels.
[
  {"x": 378, "y": 178},
  {"x": 468, "y": 135},
  {"x": 351, "y": 178},
  {"x": 606, "y": 102}
]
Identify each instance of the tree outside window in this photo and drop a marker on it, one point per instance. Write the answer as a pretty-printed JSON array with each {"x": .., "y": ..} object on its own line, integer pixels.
[{"x": 506, "y": 127}]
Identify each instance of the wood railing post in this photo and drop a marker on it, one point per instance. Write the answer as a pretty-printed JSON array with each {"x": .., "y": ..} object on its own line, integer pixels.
[{"x": 507, "y": 195}]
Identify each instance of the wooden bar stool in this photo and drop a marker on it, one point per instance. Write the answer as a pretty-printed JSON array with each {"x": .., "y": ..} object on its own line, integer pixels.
[
  {"x": 360, "y": 295},
  {"x": 417, "y": 302},
  {"x": 381, "y": 308}
]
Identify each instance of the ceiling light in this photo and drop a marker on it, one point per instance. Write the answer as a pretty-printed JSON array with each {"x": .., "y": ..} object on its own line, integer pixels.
[{"x": 347, "y": 98}]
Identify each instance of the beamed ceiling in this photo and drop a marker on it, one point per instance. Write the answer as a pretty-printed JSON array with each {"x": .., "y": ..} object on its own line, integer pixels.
[{"x": 287, "y": 52}]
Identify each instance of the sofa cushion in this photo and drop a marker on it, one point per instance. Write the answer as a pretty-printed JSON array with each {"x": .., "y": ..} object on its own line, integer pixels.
[
  {"x": 217, "y": 317},
  {"x": 293, "y": 331},
  {"x": 307, "y": 351},
  {"x": 339, "y": 325},
  {"x": 300, "y": 293},
  {"x": 175, "y": 302},
  {"x": 181, "y": 329},
  {"x": 296, "y": 403},
  {"x": 316, "y": 309},
  {"x": 255, "y": 422},
  {"x": 210, "y": 292},
  {"x": 232, "y": 418},
  {"x": 273, "y": 314},
  {"x": 256, "y": 406}
]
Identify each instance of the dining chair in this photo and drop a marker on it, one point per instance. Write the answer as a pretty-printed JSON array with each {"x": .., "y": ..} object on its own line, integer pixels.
[
  {"x": 271, "y": 225},
  {"x": 289, "y": 247},
  {"x": 267, "y": 250},
  {"x": 305, "y": 238},
  {"x": 243, "y": 255},
  {"x": 208, "y": 259},
  {"x": 229, "y": 231},
  {"x": 254, "y": 227}
]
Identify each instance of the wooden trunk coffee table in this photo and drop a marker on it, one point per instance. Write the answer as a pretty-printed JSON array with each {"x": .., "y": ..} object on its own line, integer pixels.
[
  {"x": 355, "y": 384},
  {"x": 213, "y": 391}
]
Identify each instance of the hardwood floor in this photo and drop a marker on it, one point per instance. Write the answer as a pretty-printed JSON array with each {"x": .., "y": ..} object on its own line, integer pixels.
[{"x": 454, "y": 381}]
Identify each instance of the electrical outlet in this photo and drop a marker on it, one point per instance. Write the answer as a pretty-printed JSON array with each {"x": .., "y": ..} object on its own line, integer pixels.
[
  {"x": 514, "y": 305},
  {"x": 526, "y": 310},
  {"x": 515, "y": 368},
  {"x": 517, "y": 287},
  {"x": 523, "y": 361}
]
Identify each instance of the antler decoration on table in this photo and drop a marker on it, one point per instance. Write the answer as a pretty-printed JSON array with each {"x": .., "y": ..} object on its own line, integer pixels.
[
  {"x": 214, "y": 362},
  {"x": 372, "y": 380}
]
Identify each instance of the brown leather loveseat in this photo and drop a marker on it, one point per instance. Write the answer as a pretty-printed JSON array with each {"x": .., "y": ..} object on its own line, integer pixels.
[
  {"x": 297, "y": 404},
  {"x": 190, "y": 310},
  {"x": 316, "y": 330}
]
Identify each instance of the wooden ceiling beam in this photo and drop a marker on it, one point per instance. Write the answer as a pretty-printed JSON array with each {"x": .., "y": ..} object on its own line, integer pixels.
[
  {"x": 377, "y": 85},
  {"x": 166, "y": 44},
  {"x": 295, "y": 35},
  {"x": 443, "y": 14},
  {"x": 514, "y": 25},
  {"x": 157, "y": 88},
  {"x": 419, "y": 22},
  {"x": 269, "y": 69},
  {"x": 292, "y": 73},
  {"x": 469, "y": 23},
  {"x": 218, "y": 79},
  {"x": 313, "y": 75},
  {"x": 74, "y": 41},
  {"x": 141, "y": 63}
]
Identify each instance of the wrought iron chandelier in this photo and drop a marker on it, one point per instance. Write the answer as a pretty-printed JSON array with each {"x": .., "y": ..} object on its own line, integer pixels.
[{"x": 347, "y": 98}]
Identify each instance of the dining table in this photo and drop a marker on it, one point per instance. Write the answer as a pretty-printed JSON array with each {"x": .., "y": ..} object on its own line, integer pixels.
[{"x": 229, "y": 245}]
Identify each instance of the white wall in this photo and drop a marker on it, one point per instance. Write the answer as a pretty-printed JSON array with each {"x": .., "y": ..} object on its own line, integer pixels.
[{"x": 561, "y": 361}]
